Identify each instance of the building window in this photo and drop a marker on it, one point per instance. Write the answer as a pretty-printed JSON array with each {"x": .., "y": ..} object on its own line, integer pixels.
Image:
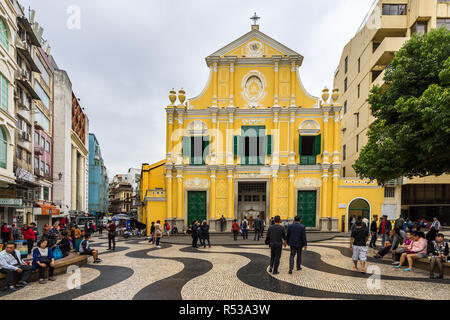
[
  {"x": 443, "y": 23},
  {"x": 46, "y": 193},
  {"x": 345, "y": 85},
  {"x": 344, "y": 152},
  {"x": 389, "y": 192},
  {"x": 47, "y": 170},
  {"x": 357, "y": 142},
  {"x": 4, "y": 34},
  {"x": 3, "y": 93},
  {"x": 346, "y": 64},
  {"x": 357, "y": 119},
  {"x": 47, "y": 146},
  {"x": 36, "y": 163},
  {"x": 42, "y": 167},
  {"x": 36, "y": 138},
  {"x": 28, "y": 158},
  {"x": 43, "y": 143},
  {"x": 345, "y": 107},
  {"x": 19, "y": 153},
  {"x": 41, "y": 93},
  {"x": 394, "y": 9},
  {"x": 375, "y": 46},
  {"x": 343, "y": 172},
  {"x": 42, "y": 120},
  {"x": 3, "y": 148},
  {"x": 253, "y": 145},
  {"x": 359, "y": 90},
  {"x": 359, "y": 65},
  {"x": 44, "y": 73},
  {"x": 309, "y": 148},
  {"x": 420, "y": 27},
  {"x": 375, "y": 74},
  {"x": 196, "y": 148}
]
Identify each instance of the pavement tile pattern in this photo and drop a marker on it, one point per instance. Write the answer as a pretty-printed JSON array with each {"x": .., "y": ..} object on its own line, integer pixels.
[{"x": 232, "y": 271}]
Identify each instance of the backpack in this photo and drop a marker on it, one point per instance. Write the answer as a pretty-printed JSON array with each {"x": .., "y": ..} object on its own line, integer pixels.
[
  {"x": 57, "y": 254},
  {"x": 77, "y": 245},
  {"x": 167, "y": 226},
  {"x": 244, "y": 225}
]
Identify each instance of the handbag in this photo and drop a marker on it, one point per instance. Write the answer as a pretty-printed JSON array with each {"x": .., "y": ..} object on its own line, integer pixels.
[{"x": 57, "y": 253}]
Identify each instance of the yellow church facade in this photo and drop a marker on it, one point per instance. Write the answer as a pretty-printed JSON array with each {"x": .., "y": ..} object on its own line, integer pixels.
[{"x": 255, "y": 143}]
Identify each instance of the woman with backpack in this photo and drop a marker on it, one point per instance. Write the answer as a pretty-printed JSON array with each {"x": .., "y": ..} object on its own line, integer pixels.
[{"x": 244, "y": 226}]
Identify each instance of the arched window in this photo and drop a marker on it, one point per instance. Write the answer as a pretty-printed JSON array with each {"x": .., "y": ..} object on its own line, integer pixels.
[
  {"x": 3, "y": 93},
  {"x": 359, "y": 207},
  {"x": 4, "y": 34},
  {"x": 3, "y": 148}
]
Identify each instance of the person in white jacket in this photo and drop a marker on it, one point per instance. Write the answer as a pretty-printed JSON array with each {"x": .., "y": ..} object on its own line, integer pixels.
[{"x": 11, "y": 264}]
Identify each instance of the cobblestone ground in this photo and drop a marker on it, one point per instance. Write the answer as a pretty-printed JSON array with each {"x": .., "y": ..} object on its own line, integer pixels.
[{"x": 138, "y": 271}]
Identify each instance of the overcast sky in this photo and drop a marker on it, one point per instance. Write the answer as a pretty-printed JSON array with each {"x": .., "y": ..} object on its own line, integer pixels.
[{"x": 128, "y": 54}]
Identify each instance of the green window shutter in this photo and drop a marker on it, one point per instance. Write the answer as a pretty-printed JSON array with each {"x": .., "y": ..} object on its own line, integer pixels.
[
  {"x": 269, "y": 145},
  {"x": 205, "y": 148},
  {"x": 318, "y": 145},
  {"x": 237, "y": 146},
  {"x": 187, "y": 147},
  {"x": 300, "y": 145}
]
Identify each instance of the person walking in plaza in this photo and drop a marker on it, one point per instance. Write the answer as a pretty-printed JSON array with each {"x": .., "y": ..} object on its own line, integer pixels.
[
  {"x": 158, "y": 234},
  {"x": 438, "y": 252},
  {"x": 223, "y": 223},
  {"x": 152, "y": 233},
  {"x": 235, "y": 228},
  {"x": 244, "y": 227},
  {"x": 43, "y": 258},
  {"x": 112, "y": 232},
  {"x": 358, "y": 242},
  {"x": 384, "y": 230},
  {"x": 12, "y": 264},
  {"x": 166, "y": 228},
  {"x": 374, "y": 232},
  {"x": 29, "y": 236},
  {"x": 205, "y": 234},
  {"x": 257, "y": 226},
  {"x": 276, "y": 238},
  {"x": 296, "y": 239}
]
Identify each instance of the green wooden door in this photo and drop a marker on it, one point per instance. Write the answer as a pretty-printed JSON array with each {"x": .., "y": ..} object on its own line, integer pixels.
[
  {"x": 196, "y": 206},
  {"x": 306, "y": 207}
]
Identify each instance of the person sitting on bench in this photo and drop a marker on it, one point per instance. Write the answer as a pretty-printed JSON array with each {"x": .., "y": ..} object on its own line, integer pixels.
[{"x": 12, "y": 264}]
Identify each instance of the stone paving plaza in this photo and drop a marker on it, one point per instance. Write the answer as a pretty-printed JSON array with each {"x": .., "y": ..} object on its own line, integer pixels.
[{"x": 231, "y": 271}]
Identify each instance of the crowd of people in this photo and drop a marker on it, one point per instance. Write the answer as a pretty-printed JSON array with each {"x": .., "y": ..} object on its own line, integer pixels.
[
  {"x": 54, "y": 243},
  {"x": 402, "y": 239}
]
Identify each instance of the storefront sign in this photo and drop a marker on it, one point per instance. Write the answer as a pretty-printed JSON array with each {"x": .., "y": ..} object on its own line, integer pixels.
[{"x": 11, "y": 202}]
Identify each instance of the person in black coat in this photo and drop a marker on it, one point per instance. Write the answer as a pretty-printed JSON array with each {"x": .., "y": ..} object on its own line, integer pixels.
[
  {"x": 195, "y": 234},
  {"x": 374, "y": 232},
  {"x": 257, "y": 225},
  {"x": 276, "y": 238},
  {"x": 64, "y": 244},
  {"x": 296, "y": 239}
]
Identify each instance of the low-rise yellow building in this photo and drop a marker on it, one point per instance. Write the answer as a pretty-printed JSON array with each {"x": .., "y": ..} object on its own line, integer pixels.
[{"x": 254, "y": 143}]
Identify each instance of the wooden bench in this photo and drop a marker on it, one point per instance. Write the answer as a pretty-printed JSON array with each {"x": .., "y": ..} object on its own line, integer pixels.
[
  {"x": 424, "y": 264},
  {"x": 61, "y": 265}
]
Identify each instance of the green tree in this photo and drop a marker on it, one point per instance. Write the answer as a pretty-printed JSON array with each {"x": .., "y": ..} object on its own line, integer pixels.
[{"x": 411, "y": 134}]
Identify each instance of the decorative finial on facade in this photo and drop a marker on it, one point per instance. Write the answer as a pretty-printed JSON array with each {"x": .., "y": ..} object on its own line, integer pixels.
[
  {"x": 335, "y": 95},
  {"x": 325, "y": 95},
  {"x": 181, "y": 96},
  {"x": 173, "y": 96}
]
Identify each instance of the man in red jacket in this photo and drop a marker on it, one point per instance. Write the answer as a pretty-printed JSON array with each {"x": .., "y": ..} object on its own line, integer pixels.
[{"x": 28, "y": 234}]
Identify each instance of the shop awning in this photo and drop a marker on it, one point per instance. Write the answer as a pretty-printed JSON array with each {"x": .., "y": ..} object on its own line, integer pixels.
[{"x": 46, "y": 210}]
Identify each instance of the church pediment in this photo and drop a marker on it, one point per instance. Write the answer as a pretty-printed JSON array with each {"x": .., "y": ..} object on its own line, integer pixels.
[{"x": 254, "y": 44}]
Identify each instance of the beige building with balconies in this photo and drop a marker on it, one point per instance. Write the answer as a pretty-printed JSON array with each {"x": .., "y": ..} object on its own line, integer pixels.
[{"x": 362, "y": 65}]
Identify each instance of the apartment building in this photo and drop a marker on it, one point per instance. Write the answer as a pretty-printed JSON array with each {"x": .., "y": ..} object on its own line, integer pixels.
[
  {"x": 71, "y": 140},
  {"x": 120, "y": 195},
  {"x": 9, "y": 203},
  {"x": 98, "y": 179},
  {"x": 362, "y": 65}
]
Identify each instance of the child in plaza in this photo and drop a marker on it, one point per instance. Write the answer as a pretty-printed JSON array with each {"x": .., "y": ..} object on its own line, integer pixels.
[
  {"x": 438, "y": 252},
  {"x": 358, "y": 242}
]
